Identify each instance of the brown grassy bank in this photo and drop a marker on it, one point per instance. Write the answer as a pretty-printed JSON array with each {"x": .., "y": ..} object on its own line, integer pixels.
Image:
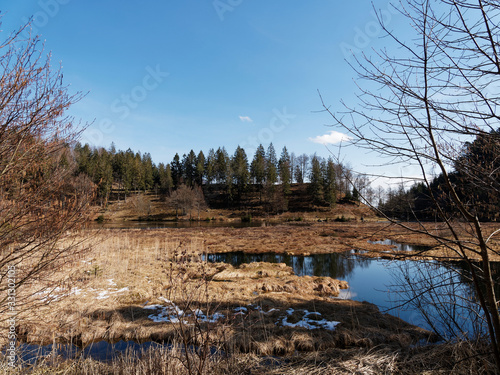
[
  {"x": 113, "y": 290},
  {"x": 453, "y": 359},
  {"x": 313, "y": 237},
  {"x": 129, "y": 270}
]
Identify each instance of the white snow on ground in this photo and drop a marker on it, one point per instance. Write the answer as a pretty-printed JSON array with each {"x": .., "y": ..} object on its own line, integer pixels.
[
  {"x": 346, "y": 294},
  {"x": 308, "y": 323},
  {"x": 240, "y": 310},
  {"x": 57, "y": 293},
  {"x": 171, "y": 313},
  {"x": 107, "y": 293},
  {"x": 213, "y": 319},
  {"x": 259, "y": 308}
]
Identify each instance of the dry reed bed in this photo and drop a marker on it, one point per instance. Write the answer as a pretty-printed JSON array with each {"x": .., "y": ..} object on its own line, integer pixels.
[
  {"x": 105, "y": 293},
  {"x": 457, "y": 359},
  {"x": 313, "y": 238},
  {"x": 129, "y": 270}
]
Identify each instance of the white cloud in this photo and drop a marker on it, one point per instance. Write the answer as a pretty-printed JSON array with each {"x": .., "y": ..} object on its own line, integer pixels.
[
  {"x": 331, "y": 138},
  {"x": 245, "y": 119}
]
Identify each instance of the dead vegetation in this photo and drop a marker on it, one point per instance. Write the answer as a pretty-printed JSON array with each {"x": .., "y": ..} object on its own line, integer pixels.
[
  {"x": 128, "y": 272},
  {"x": 133, "y": 284},
  {"x": 457, "y": 359}
]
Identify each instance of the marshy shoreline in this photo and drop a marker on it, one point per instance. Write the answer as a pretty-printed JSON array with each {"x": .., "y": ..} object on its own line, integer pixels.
[{"x": 132, "y": 284}]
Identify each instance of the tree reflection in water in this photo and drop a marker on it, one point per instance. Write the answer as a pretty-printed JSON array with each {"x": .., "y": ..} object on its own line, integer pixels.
[
  {"x": 336, "y": 265},
  {"x": 444, "y": 296},
  {"x": 433, "y": 295}
]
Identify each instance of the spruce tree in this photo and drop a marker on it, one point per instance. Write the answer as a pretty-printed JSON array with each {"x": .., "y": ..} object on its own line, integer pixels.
[
  {"x": 210, "y": 166},
  {"x": 299, "y": 178},
  {"x": 240, "y": 171},
  {"x": 316, "y": 181},
  {"x": 221, "y": 165},
  {"x": 165, "y": 179},
  {"x": 189, "y": 168},
  {"x": 284, "y": 170},
  {"x": 148, "y": 167},
  {"x": 330, "y": 183},
  {"x": 200, "y": 168},
  {"x": 258, "y": 166},
  {"x": 271, "y": 165},
  {"x": 176, "y": 168}
]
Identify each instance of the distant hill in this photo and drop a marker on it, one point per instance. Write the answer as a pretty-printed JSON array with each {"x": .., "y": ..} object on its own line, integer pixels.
[{"x": 255, "y": 203}]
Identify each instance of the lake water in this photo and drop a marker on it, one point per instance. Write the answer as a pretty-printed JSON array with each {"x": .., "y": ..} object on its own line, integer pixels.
[
  {"x": 385, "y": 283},
  {"x": 389, "y": 284},
  {"x": 178, "y": 224},
  {"x": 99, "y": 351}
]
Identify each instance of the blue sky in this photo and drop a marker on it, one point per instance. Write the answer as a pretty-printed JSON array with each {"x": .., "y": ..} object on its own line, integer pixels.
[{"x": 167, "y": 76}]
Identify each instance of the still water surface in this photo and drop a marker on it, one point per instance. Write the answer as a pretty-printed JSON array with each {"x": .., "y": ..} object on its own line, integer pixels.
[
  {"x": 384, "y": 283},
  {"x": 387, "y": 284}
]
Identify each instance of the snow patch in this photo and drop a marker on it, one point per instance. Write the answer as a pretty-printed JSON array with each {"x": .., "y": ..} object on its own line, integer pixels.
[
  {"x": 56, "y": 294},
  {"x": 103, "y": 294},
  {"x": 306, "y": 321},
  {"x": 259, "y": 308},
  {"x": 171, "y": 313}
]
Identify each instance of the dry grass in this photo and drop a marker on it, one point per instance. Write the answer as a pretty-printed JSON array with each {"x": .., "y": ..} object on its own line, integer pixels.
[
  {"x": 457, "y": 359},
  {"x": 128, "y": 270}
]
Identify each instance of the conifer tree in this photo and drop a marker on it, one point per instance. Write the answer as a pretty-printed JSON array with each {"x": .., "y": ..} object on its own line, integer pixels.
[
  {"x": 240, "y": 171},
  {"x": 293, "y": 161},
  {"x": 316, "y": 180},
  {"x": 176, "y": 168},
  {"x": 200, "y": 168},
  {"x": 189, "y": 168},
  {"x": 210, "y": 166},
  {"x": 285, "y": 174},
  {"x": 221, "y": 165},
  {"x": 258, "y": 166},
  {"x": 165, "y": 179},
  {"x": 148, "y": 167},
  {"x": 298, "y": 174},
  {"x": 271, "y": 165},
  {"x": 330, "y": 183}
]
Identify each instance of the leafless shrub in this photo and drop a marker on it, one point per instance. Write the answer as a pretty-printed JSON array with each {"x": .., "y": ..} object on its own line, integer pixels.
[
  {"x": 439, "y": 91},
  {"x": 41, "y": 200},
  {"x": 186, "y": 199}
]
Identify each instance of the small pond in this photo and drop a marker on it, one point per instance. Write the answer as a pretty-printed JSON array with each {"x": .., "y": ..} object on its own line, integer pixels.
[
  {"x": 100, "y": 351},
  {"x": 388, "y": 284},
  {"x": 103, "y": 351}
]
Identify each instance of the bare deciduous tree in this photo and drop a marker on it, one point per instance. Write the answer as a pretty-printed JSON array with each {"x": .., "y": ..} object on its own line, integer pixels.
[
  {"x": 186, "y": 199},
  {"x": 440, "y": 90},
  {"x": 41, "y": 200}
]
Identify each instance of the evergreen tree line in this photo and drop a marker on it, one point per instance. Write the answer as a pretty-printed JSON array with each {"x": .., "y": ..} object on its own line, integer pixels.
[
  {"x": 475, "y": 177},
  {"x": 128, "y": 171}
]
